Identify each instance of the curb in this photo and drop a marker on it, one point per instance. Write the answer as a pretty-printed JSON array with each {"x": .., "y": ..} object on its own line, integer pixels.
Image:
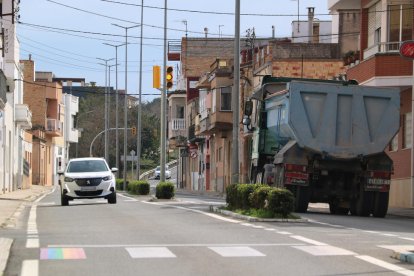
[
  {"x": 5, "y": 245},
  {"x": 406, "y": 257},
  {"x": 216, "y": 209}
]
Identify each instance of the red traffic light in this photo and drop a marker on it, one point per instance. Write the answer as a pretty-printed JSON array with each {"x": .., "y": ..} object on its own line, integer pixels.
[{"x": 407, "y": 49}]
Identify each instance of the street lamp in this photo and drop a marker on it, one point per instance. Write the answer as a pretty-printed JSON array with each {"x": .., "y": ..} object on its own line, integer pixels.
[
  {"x": 116, "y": 106},
  {"x": 139, "y": 130},
  {"x": 125, "y": 96},
  {"x": 106, "y": 106}
]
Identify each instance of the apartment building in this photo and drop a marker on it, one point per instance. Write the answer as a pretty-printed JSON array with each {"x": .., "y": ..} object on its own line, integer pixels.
[
  {"x": 45, "y": 99},
  {"x": 384, "y": 25}
]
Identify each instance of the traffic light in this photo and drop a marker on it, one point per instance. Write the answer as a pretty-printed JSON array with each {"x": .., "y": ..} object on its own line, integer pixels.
[
  {"x": 156, "y": 76},
  {"x": 169, "y": 77},
  {"x": 134, "y": 130}
]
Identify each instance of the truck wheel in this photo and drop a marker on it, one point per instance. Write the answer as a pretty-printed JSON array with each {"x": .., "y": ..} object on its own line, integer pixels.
[
  {"x": 302, "y": 197},
  {"x": 336, "y": 210},
  {"x": 380, "y": 204},
  {"x": 364, "y": 204}
]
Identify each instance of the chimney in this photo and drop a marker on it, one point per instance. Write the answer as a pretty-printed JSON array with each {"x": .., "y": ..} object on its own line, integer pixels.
[
  {"x": 273, "y": 31},
  {"x": 311, "y": 14},
  {"x": 206, "y": 31},
  {"x": 30, "y": 56}
]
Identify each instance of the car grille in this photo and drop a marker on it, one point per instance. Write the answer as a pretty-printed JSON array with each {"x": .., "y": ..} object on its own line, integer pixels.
[
  {"x": 89, "y": 181},
  {"x": 89, "y": 193}
]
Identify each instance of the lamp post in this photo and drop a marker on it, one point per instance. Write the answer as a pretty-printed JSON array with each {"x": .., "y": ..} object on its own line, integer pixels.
[
  {"x": 116, "y": 106},
  {"x": 235, "y": 96},
  {"x": 139, "y": 113},
  {"x": 106, "y": 106},
  {"x": 125, "y": 97},
  {"x": 79, "y": 129},
  {"x": 163, "y": 102}
]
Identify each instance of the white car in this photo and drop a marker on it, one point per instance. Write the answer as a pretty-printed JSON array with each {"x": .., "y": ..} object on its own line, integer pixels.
[
  {"x": 87, "y": 178},
  {"x": 157, "y": 173}
]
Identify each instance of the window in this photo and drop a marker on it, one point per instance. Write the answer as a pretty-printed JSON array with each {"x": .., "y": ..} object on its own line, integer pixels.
[
  {"x": 180, "y": 112},
  {"x": 407, "y": 131},
  {"x": 374, "y": 24},
  {"x": 400, "y": 21},
  {"x": 394, "y": 143},
  {"x": 225, "y": 99}
]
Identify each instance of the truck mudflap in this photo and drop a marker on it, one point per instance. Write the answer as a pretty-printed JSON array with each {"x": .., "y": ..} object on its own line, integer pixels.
[{"x": 377, "y": 181}]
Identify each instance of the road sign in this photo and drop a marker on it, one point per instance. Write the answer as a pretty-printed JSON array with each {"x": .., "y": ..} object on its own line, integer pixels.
[
  {"x": 129, "y": 158},
  {"x": 407, "y": 49}
]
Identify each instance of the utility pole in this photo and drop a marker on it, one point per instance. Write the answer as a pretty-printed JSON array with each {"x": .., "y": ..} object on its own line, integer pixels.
[
  {"x": 125, "y": 98},
  {"x": 139, "y": 120},
  {"x": 163, "y": 101},
  {"x": 106, "y": 106},
  {"x": 235, "y": 96},
  {"x": 116, "y": 106}
]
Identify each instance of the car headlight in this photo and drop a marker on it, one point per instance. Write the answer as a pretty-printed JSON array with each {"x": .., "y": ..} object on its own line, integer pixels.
[
  {"x": 68, "y": 179},
  {"x": 106, "y": 178}
]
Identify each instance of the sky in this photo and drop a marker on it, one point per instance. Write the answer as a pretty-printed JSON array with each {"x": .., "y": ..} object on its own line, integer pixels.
[{"x": 67, "y": 37}]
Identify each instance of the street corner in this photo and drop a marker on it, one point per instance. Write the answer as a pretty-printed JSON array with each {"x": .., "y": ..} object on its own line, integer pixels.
[{"x": 405, "y": 256}]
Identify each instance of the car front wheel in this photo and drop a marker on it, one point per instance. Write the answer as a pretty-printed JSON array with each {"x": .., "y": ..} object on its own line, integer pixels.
[
  {"x": 112, "y": 198},
  {"x": 64, "y": 200}
]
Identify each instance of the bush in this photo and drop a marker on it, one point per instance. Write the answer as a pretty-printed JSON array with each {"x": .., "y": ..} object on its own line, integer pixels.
[
  {"x": 231, "y": 196},
  {"x": 280, "y": 201},
  {"x": 243, "y": 193},
  {"x": 119, "y": 183},
  {"x": 258, "y": 197},
  {"x": 165, "y": 190},
  {"x": 139, "y": 187}
]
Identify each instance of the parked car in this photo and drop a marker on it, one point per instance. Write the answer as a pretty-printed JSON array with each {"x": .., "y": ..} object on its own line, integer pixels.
[
  {"x": 87, "y": 178},
  {"x": 157, "y": 172}
]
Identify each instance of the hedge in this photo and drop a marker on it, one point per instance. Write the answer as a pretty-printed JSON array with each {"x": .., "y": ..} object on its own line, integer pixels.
[
  {"x": 119, "y": 183},
  {"x": 139, "y": 187},
  {"x": 165, "y": 190},
  {"x": 260, "y": 197}
]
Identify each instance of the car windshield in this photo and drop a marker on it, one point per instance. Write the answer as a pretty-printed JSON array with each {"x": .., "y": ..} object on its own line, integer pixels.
[
  {"x": 87, "y": 166},
  {"x": 159, "y": 168}
]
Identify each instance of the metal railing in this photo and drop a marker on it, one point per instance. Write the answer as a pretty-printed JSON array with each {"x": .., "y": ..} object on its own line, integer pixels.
[
  {"x": 150, "y": 173},
  {"x": 178, "y": 124},
  {"x": 383, "y": 47},
  {"x": 53, "y": 125}
]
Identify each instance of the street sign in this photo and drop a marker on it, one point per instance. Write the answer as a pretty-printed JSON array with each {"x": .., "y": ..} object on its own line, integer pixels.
[
  {"x": 407, "y": 49},
  {"x": 129, "y": 158}
]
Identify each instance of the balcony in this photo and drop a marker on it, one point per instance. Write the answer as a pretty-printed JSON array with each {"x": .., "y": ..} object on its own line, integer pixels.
[
  {"x": 177, "y": 128},
  {"x": 384, "y": 47},
  {"x": 382, "y": 65},
  {"x": 73, "y": 135},
  {"x": 174, "y": 50},
  {"x": 3, "y": 89},
  {"x": 53, "y": 127},
  {"x": 23, "y": 116}
]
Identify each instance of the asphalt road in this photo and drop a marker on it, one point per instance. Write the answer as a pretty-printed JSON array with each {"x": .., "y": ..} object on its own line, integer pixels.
[{"x": 180, "y": 237}]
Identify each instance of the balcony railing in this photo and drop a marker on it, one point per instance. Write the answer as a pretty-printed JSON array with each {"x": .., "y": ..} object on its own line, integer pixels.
[
  {"x": 23, "y": 116},
  {"x": 383, "y": 47},
  {"x": 178, "y": 124},
  {"x": 53, "y": 125}
]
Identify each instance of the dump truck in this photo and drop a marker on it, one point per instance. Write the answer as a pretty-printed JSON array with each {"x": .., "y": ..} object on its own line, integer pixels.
[{"x": 324, "y": 141}]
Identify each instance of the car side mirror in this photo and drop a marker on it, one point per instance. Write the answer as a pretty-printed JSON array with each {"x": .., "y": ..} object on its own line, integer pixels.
[
  {"x": 114, "y": 169},
  {"x": 248, "y": 108}
]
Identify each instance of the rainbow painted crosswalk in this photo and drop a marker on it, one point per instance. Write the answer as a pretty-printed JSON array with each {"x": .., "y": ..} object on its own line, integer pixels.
[{"x": 62, "y": 254}]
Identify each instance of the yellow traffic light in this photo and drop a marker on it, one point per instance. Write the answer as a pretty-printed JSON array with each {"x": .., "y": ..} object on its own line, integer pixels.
[
  {"x": 169, "y": 77},
  {"x": 134, "y": 131},
  {"x": 156, "y": 76}
]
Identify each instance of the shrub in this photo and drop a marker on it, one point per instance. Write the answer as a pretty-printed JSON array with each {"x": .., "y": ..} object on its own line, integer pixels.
[
  {"x": 231, "y": 196},
  {"x": 280, "y": 201},
  {"x": 258, "y": 197},
  {"x": 119, "y": 183},
  {"x": 165, "y": 190},
  {"x": 143, "y": 187},
  {"x": 243, "y": 193}
]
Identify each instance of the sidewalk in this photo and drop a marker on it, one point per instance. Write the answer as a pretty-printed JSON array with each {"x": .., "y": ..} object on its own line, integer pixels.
[{"x": 11, "y": 205}]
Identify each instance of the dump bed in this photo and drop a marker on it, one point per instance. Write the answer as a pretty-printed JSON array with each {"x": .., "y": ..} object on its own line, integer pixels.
[{"x": 343, "y": 121}]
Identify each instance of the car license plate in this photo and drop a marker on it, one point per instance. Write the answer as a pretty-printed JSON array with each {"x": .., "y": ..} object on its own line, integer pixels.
[{"x": 88, "y": 188}]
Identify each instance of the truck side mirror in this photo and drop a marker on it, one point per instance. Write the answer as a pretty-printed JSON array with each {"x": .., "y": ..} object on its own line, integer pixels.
[{"x": 248, "y": 108}]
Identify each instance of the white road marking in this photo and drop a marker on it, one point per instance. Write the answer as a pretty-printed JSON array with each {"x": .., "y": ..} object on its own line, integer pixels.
[
  {"x": 372, "y": 232},
  {"x": 270, "y": 229},
  {"x": 284, "y": 233},
  {"x": 392, "y": 267},
  {"x": 127, "y": 197},
  {"x": 239, "y": 251},
  {"x": 150, "y": 252},
  {"x": 170, "y": 245},
  {"x": 32, "y": 243},
  {"x": 389, "y": 235},
  {"x": 30, "y": 268},
  {"x": 408, "y": 239},
  {"x": 324, "y": 250},
  {"x": 308, "y": 240}
]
